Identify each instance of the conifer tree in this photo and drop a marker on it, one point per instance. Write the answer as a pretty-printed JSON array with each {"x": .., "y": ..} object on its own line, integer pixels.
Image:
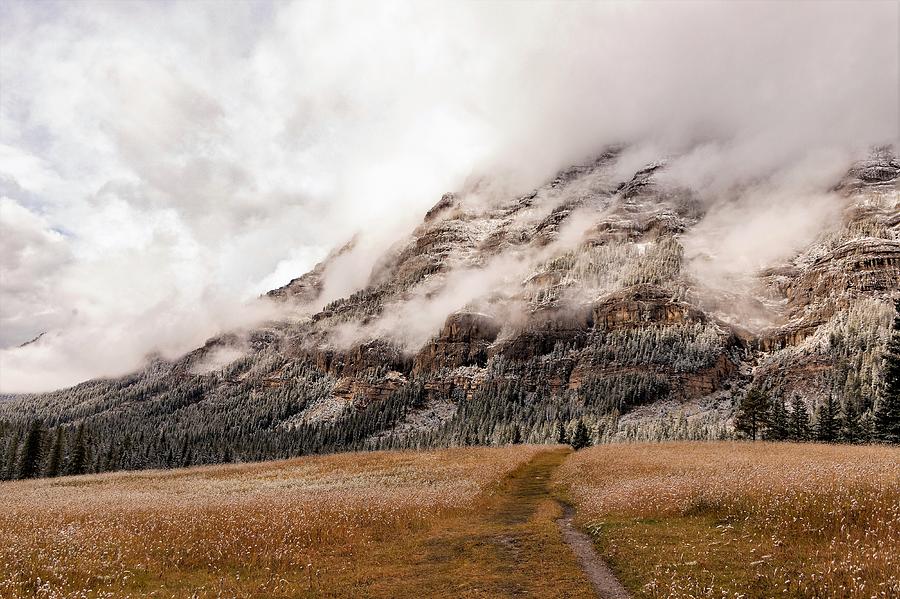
[
  {"x": 850, "y": 423},
  {"x": 799, "y": 420},
  {"x": 516, "y": 435},
  {"x": 867, "y": 427},
  {"x": 32, "y": 451},
  {"x": 887, "y": 407},
  {"x": 78, "y": 458},
  {"x": 827, "y": 422},
  {"x": 753, "y": 413},
  {"x": 107, "y": 463},
  {"x": 581, "y": 438},
  {"x": 54, "y": 460},
  {"x": 12, "y": 457},
  {"x": 561, "y": 437},
  {"x": 185, "y": 454},
  {"x": 778, "y": 421}
]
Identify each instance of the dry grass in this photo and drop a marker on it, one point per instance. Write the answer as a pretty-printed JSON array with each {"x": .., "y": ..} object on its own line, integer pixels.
[
  {"x": 742, "y": 519},
  {"x": 676, "y": 520},
  {"x": 323, "y": 526}
]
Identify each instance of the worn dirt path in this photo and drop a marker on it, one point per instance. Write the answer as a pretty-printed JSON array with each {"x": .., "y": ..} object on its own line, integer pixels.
[
  {"x": 531, "y": 487},
  {"x": 602, "y": 578},
  {"x": 519, "y": 543}
]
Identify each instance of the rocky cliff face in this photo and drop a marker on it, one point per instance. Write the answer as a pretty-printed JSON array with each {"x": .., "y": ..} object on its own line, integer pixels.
[
  {"x": 500, "y": 313},
  {"x": 833, "y": 328},
  {"x": 613, "y": 300}
]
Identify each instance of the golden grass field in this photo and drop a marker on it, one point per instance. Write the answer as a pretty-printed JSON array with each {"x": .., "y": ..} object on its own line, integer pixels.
[
  {"x": 673, "y": 519},
  {"x": 743, "y": 519},
  {"x": 387, "y": 524}
]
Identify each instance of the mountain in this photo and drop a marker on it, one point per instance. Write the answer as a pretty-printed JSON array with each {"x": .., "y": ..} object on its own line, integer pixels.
[{"x": 497, "y": 320}]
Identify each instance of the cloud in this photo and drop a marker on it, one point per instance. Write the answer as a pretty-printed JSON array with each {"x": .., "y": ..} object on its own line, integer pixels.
[
  {"x": 32, "y": 253},
  {"x": 176, "y": 159},
  {"x": 760, "y": 228}
]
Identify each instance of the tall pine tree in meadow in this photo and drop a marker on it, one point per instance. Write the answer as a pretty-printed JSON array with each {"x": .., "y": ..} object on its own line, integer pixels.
[
  {"x": 887, "y": 406},
  {"x": 753, "y": 413},
  {"x": 581, "y": 438},
  {"x": 778, "y": 429},
  {"x": 54, "y": 460},
  {"x": 77, "y": 463},
  {"x": 516, "y": 435},
  {"x": 798, "y": 423},
  {"x": 561, "y": 437},
  {"x": 827, "y": 421},
  {"x": 32, "y": 451},
  {"x": 851, "y": 429},
  {"x": 867, "y": 427}
]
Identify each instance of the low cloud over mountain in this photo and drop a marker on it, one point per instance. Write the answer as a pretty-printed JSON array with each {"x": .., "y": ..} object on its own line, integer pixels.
[{"x": 154, "y": 184}]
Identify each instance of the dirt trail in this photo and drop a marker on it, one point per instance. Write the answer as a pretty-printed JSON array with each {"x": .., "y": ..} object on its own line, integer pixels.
[
  {"x": 530, "y": 486},
  {"x": 602, "y": 578},
  {"x": 519, "y": 543}
]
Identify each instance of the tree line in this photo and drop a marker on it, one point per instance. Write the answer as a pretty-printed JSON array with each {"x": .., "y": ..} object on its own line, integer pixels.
[
  {"x": 761, "y": 416},
  {"x": 39, "y": 451}
]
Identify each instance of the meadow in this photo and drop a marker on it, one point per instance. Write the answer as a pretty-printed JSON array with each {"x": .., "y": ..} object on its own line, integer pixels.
[
  {"x": 738, "y": 520},
  {"x": 743, "y": 519},
  {"x": 318, "y": 526}
]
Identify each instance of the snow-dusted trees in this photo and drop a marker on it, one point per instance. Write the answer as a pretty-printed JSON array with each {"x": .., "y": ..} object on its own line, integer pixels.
[
  {"x": 887, "y": 408},
  {"x": 681, "y": 347}
]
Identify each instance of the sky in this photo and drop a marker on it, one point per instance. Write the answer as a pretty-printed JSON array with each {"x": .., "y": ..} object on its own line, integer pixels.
[{"x": 162, "y": 164}]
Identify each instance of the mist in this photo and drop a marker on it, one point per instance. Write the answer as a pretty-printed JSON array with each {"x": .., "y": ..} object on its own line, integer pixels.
[{"x": 164, "y": 164}]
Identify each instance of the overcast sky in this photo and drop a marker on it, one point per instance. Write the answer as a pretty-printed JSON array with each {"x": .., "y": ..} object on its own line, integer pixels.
[{"x": 163, "y": 163}]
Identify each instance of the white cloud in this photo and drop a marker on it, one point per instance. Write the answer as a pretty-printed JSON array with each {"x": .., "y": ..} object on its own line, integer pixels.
[
  {"x": 32, "y": 255},
  {"x": 192, "y": 156}
]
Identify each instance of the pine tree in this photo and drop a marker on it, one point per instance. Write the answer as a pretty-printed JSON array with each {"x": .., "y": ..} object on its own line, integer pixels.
[
  {"x": 778, "y": 422},
  {"x": 54, "y": 461},
  {"x": 12, "y": 457},
  {"x": 110, "y": 460},
  {"x": 753, "y": 413},
  {"x": 827, "y": 421},
  {"x": 867, "y": 427},
  {"x": 850, "y": 423},
  {"x": 561, "y": 437},
  {"x": 887, "y": 407},
  {"x": 78, "y": 458},
  {"x": 581, "y": 438},
  {"x": 799, "y": 420},
  {"x": 32, "y": 451},
  {"x": 185, "y": 454}
]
